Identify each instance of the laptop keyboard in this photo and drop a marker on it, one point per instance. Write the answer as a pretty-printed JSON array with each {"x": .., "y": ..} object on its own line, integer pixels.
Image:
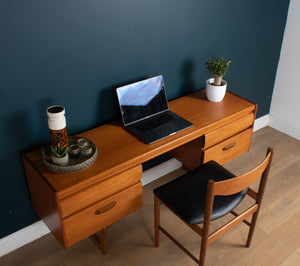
[{"x": 154, "y": 122}]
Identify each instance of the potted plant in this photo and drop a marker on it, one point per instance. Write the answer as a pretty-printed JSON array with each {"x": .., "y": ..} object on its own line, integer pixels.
[
  {"x": 216, "y": 87},
  {"x": 59, "y": 155}
]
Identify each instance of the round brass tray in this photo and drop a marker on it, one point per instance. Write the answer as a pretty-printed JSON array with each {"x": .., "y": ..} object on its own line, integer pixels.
[{"x": 75, "y": 164}]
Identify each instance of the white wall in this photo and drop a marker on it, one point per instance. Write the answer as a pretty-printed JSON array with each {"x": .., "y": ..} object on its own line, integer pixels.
[{"x": 285, "y": 106}]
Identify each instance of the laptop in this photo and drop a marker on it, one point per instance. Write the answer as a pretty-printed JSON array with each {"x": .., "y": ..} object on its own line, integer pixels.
[{"x": 145, "y": 112}]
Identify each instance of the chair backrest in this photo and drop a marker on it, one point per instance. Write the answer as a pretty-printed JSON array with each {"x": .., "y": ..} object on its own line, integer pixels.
[
  {"x": 239, "y": 183},
  {"x": 236, "y": 185}
]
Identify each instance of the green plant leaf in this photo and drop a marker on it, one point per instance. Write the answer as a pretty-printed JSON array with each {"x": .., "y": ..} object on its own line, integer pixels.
[
  {"x": 59, "y": 151},
  {"x": 217, "y": 67}
]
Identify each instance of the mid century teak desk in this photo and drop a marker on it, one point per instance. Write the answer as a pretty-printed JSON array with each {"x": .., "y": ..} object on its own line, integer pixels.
[{"x": 78, "y": 205}]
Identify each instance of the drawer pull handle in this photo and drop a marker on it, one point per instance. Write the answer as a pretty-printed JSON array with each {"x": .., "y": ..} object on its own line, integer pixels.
[
  {"x": 105, "y": 208},
  {"x": 229, "y": 146}
]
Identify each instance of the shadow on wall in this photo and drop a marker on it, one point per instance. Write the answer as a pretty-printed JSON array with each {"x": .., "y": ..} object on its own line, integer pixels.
[
  {"x": 19, "y": 134},
  {"x": 42, "y": 129},
  {"x": 108, "y": 106},
  {"x": 187, "y": 73},
  {"x": 107, "y": 110},
  {"x": 24, "y": 130}
]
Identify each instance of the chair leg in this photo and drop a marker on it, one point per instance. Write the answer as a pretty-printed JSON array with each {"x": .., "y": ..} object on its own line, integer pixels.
[
  {"x": 204, "y": 241},
  {"x": 206, "y": 222},
  {"x": 156, "y": 219},
  {"x": 203, "y": 250},
  {"x": 251, "y": 230}
]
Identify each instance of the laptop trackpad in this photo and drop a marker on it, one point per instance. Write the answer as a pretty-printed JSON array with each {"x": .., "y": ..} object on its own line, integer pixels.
[{"x": 165, "y": 130}]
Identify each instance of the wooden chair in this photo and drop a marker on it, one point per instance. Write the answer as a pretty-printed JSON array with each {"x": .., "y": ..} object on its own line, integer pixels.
[{"x": 208, "y": 193}]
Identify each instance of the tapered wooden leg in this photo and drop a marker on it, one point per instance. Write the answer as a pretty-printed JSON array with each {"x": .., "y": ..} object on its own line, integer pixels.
[
  {"x": 156, "y": 219},
  {"x": 251, "y": 230},
  {"x": 206, "y": 222},
  {"x": 203, "y": 250},
  {"x": 103, "y": 239},
  {"x": 102, "y": 242}
]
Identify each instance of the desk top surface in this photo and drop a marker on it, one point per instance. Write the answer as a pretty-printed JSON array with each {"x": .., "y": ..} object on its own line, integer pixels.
[{"x": 119, "y": 150}]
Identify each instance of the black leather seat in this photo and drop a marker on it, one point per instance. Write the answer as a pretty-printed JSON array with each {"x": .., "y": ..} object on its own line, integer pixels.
[{"x": 186, "y": 195}]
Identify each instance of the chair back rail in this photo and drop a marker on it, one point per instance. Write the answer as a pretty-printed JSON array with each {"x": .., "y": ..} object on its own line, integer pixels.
[{"x": 239, "y": 183}]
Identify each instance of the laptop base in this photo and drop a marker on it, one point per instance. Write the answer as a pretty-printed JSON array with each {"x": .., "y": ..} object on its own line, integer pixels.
[{"x": 149, "y": 136}]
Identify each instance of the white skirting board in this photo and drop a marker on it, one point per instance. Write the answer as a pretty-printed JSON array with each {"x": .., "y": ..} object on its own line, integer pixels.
[
  {"x": 261, "y": 122},
  {"x": 39, "y": 229},
  {"x": 22, "y": 237},
  {"x": 284, "y": 126}
]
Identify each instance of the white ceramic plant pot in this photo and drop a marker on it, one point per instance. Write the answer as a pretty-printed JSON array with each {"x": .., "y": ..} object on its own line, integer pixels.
[
  {"x": 215, "y": 93},
  {"x": 62, "y": 160}
]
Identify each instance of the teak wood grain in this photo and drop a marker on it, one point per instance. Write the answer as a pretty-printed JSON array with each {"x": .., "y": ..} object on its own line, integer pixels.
[
  {"x": 87, "y": 221},
  {"x": 100, "y": 190},
  {"x": 115, "y": 144},
  {"x": 44, "y": 202},
  {"x": 228, "y": 130},
  {"x": 190, "y": 154},
  {"x": 66, "y": 202},
  {"x": 230, "y": 148}
]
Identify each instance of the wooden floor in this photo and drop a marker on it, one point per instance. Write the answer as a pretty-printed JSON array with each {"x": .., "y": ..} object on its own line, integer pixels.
[{"x": 276, "y": 239}]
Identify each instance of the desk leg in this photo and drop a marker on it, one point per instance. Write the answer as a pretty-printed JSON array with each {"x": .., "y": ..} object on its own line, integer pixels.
[
  {"x": 100, "y": 242},
  {"x": 189, "y": 154}
]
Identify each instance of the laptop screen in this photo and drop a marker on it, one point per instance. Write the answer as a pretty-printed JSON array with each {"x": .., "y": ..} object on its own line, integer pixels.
[{"x": 142, "y": 99}]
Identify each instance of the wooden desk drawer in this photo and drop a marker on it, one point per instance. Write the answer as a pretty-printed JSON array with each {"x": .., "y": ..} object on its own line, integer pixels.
[
  {"x": 102, "y": 214},
  {"x": 227, "y": 131},
  {"x": 230, "y": 148},
  {"x": 100, "y": 190}
]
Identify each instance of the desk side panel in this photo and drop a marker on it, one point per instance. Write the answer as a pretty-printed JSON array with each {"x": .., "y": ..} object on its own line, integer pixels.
[
  {"x": 189, "y": 154},
  {"x": 43, "y": 201}
]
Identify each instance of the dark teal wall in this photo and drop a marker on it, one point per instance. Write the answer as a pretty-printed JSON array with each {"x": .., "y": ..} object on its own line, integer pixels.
[{"x": 75, "y": 52}]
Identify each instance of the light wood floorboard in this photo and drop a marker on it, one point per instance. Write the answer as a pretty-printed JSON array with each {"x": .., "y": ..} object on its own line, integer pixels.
[{"x": 276, "y": 238}]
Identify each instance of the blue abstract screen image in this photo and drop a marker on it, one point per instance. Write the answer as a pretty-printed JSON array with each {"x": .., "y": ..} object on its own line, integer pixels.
[{"x": 142, "y": 99}]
